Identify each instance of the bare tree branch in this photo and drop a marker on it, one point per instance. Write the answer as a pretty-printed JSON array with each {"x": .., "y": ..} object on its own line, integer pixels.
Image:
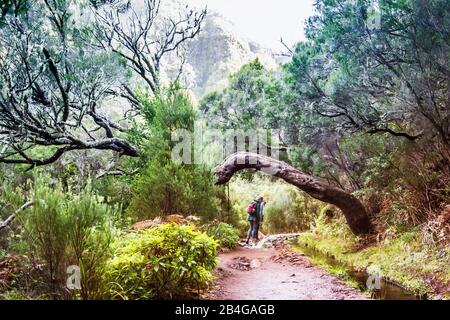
[
  {"x": 51, "y": 97},
  {"x": 11, "y": 218},
  {"x": 51, "y": 94},
  {"x": 143, "y": 39},
  {"x": 290, "y": 51}
]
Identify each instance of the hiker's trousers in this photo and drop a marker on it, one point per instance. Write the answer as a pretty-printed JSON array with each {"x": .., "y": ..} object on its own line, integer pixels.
[{"x": 253, "y": 230}]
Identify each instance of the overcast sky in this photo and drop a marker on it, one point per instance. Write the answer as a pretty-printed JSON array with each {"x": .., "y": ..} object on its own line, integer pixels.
[{"x": 264, "y": 21}]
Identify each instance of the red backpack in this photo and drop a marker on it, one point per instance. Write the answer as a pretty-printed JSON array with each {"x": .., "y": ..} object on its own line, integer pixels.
[{"x": 251, "y": 208}]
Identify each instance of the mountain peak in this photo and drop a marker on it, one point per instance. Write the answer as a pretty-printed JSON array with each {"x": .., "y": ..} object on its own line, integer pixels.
[{"x": 218, "y": 51}]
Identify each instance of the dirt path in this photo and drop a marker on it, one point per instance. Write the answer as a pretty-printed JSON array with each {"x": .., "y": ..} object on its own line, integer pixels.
[{"x": 261, "y": 274}]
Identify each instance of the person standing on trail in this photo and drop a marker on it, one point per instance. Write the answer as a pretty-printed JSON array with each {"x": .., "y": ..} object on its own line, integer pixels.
[
  {"x": 254, "y": 216},
  {"x": 260, "y": 216}
]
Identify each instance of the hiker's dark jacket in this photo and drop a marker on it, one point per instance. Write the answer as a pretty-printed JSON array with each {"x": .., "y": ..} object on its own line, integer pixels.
[{"x": 257, "y": 215}]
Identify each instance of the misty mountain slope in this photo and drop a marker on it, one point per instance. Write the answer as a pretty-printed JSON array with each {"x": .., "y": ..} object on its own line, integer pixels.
[
  {"x": 213, "y": 55},
  {"x": 216, "y": 52},
  {"x": 219, "y": 51}
]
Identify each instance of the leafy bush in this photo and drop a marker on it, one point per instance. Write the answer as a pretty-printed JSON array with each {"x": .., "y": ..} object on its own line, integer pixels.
[
  {"x": 163, "y": 190},
  {"x": 64, "y": 229},
  {"x": 46, "y": 225},
  {"x": 90, "y": 232},
  {"x": 291, "y": 211},
  {"x": 225, "y": 234},
  {"x": 164, "y": 187},
  {"x": 97, "y": 249},
  {"x": 166, "y": 262}
]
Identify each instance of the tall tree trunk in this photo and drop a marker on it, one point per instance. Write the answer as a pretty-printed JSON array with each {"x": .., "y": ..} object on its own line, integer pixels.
[{"x": 352, "y": 208}]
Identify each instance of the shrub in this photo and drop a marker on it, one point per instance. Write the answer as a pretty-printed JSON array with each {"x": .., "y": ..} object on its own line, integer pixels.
[
  {"x": 163, "y": 190},
  {"x": 64, "y": 229},
  {"x": 11, "y": 199},
  {"x": 289, "y": 210},
  {"x": 97, "y": 249},
  {"x": 90, "y": 231},
  {"x": 46, "y": 227},
  {"x": 164, "y": 187},
  {"x": 225, "y": 234},
  {"x": 167, "y": 262}
]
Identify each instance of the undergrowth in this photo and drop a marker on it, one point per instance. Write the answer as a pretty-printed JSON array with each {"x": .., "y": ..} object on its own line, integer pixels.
[{"x": 403, "y": 259}]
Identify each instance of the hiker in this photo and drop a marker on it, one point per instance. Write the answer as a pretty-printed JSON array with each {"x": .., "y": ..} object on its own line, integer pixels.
[
  {"x": 260, "y": 217},
  {"x": 254, "y": 218}
]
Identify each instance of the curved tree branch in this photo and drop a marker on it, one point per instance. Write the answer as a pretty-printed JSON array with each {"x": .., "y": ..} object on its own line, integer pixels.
[
  {"x": 352, "y": 208},
  {"x": 396, "y": 134},
  {"x": 11, "y": 218}
]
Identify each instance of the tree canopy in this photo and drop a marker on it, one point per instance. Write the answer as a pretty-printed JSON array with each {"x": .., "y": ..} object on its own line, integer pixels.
[{"x": 61, "y": 64}]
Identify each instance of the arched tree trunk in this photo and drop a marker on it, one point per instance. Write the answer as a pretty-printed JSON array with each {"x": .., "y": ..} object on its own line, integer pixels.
[{"x": 352, "y": 208}]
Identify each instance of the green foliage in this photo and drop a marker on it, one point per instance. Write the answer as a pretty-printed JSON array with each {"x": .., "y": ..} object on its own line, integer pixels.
[
  {"x": 225, "y": 234},
  {"x": 254, "y": 98},
  {"x": 49, "y": 36},
  {"x": 365, "y": 109},
  {"x": 12, "y": 7},
  {"x": 46, "y": 225},
  {"x": 347, "y": 69},
  {"x": 163, "y": 114},
  {"x": 91, "y": 228},
  {"x": 401, "y": 183},
  {"x": 162, "y": 190},
  {"x": 228, "y": 213},
  {"x": 290, "y": 211},
  {"x": 402, "y": 255},
  {"x": 97, "y": 249},
  {"x": 164, "y": 187},
  {"x": 11, "y": 198},
  {"x": 169, "y": 261},
  {"x": 287, "y": 208},
  {"x": 64, "y": 229},
  {"x": 115, "y": 191}
]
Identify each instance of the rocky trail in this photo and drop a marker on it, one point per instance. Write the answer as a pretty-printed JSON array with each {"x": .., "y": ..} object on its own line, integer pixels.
[{"x": 275, "y": 273}]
